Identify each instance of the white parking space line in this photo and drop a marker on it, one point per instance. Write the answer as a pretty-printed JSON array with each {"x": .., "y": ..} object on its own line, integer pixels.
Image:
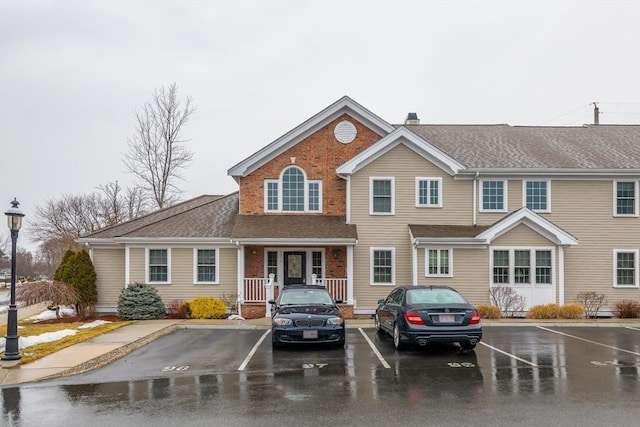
[
  {"x": 590, "y": 341},
  {"x": 375, "y": 350},
  {"x": 632, "y": 328},
  {"x": 253, "y": 350},
  {"x": 513, "y": 356}
]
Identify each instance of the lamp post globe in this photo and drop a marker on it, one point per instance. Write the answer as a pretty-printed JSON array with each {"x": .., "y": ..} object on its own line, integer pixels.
[{"x": 14, "y": 221}]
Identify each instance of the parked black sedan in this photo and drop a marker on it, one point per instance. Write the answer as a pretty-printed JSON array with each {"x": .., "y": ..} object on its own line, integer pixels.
[
  {"x": 305, "y": 314},
  {"x": 427, "y": 314}
]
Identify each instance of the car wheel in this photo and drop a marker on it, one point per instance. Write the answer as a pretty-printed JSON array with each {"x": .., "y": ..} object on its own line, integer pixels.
[
  {"x": 466, "y": 346},
  {"x": 397, "y": 341},
  {"x": 376, "y": 323},
  {"x": 340, "y": 344}
]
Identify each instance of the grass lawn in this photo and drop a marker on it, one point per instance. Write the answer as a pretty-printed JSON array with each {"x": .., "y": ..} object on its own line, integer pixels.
[{"x": 28, "y": 328}]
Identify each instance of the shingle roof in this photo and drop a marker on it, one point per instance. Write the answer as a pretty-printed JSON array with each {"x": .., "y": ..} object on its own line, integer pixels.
[
  {"x": 504, "y": 146},
  {"x": 448, "y": 231},
  {"x": 204, "y": 216},
  {"x": 293, "y": 227}
]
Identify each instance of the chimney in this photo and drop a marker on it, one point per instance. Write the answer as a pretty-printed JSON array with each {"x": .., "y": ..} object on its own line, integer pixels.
[
  {"x": 596, "y": 114},
  {"x": 412, "y": 119}
]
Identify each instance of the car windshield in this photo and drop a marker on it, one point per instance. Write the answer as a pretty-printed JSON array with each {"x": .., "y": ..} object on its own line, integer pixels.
[
  {"x": 434, "y": 296},
  {"x": 305, "y": 297}
]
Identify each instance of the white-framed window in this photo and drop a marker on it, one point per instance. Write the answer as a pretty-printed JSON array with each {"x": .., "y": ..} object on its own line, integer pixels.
[
  {"x": 382, "y": 195},
  {"x": 439, "y": 262},
  {"x": 625, "y": 198},
  {"x": 493, "y": 196},
  {"x": 205, "y": 265},
  {"x": 428, "y": 192},
  {"x": 625, "y": 268},
  {"x": 536, "y": 195},
  {"x": 293, "y": 192},
  {"x": 522, "y": 266},
  {"x": 158, "y": 266},
  {"x": 383, "y": 266}
]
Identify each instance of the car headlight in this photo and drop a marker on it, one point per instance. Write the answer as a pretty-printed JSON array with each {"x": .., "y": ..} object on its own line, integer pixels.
[
  {"x": 282, "y": 321},
  {"x": 335, "y": 321}
]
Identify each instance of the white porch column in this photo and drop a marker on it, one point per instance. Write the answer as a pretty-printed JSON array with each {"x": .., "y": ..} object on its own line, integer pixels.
[
  {"x": 268, "y": 295},
  {"x": 561, "y": 275},
  {"x": 350, "y": 299},
  {"x": 240, "y": 274},
  {"x": 414, "y": 256}
]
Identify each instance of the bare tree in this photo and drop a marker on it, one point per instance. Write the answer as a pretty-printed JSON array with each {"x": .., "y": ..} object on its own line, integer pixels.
[
  {"x": 121, "y": 204},
  {"x": 157, "y": 152},
  {"x": 53, "y": 293},
  {"x": 508, "y": 300}
]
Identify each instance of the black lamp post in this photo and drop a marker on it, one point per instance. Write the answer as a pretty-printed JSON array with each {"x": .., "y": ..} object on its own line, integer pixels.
[{"x": 14, "y": 220}]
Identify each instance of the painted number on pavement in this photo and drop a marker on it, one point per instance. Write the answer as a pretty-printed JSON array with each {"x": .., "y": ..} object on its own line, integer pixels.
[
  {"x": 175, "y": 368},
  {"x": 313, "y": 365},
  {"x": 461, "y": 365}
]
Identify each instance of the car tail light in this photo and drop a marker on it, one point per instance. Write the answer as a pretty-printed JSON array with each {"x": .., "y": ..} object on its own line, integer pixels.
[
  {"x": 475, "y": 318},
  {"x": 414, "y": 318}
]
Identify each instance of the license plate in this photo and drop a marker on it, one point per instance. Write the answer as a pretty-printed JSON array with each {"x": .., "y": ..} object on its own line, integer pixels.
[
  {"x": 310, "y": 335},
  {"x": 447, "y": 318}
]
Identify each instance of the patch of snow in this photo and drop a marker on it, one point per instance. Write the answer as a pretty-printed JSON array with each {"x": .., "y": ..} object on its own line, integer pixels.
[
  {"x": 39, "y": 339},
  {"x": 235, "y": 317},
  {"x": 93, "y": 324}
]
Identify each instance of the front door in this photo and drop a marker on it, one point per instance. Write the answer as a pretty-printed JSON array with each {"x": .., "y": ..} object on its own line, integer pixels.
[{"x": 295, "y": 268}]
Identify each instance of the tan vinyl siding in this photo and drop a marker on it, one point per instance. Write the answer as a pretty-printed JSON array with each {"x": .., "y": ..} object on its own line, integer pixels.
[
  {"x": 109, "y": 265},
  {"x": 585, "y": 209},
  {"x": 393, "y": 230},
  {"x": 136, "y": 265},
  {"x": 182, "y": 286},
  {"x": 470, "y": 274},
  {"x": 521, "y": 236}
]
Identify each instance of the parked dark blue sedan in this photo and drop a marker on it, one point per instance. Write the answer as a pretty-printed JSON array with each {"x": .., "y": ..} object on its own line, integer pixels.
[
  {"x": 305, "y": 314},
  {"x": 427, "y": 314}
]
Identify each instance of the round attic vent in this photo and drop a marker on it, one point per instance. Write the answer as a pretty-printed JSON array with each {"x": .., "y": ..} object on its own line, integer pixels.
[{"x": 345, "y": 132}]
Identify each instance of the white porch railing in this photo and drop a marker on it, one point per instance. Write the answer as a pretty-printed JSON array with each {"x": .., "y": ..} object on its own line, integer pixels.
[
  {"x": 337, "y": 287},
  {"x": 255, "y": 289}
]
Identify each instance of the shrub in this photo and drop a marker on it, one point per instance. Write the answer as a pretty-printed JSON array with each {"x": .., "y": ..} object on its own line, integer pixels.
[
  {"x": 140, "y": 302},
  {"x": 544, "y": 311},
  {"x": 591, "y": 301},
  {"x": 627, "y": 309},
  {"x": 507, "y": 299},
  {"x": 76, "y": 269},
  {"x": 207, "y": 308},
  {"x": 177, "y": 309},
  {"x": 489, "y": 311},
  {"x": 571, "y": 311},
  {"x": 231, "y": 301}
]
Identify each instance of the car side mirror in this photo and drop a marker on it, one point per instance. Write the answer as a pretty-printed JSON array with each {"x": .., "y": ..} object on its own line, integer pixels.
[
  {"x": 272, "y": 301},
  {"x": 381, "y": 301},
  {"x": 339, "y": 301}
]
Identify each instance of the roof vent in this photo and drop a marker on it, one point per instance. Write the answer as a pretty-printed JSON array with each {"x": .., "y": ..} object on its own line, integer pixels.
[{"x": 412, "y": 119}]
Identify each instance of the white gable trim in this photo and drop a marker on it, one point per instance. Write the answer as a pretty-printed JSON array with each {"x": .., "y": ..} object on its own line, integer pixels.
[
  {"x": 532, "y": 220},
  {"x": 406, "y": 137},
  {"x": 344, "y": 105}
]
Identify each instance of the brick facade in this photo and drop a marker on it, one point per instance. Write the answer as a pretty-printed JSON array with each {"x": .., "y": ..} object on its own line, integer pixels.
[{"x": 318, "y": 155}]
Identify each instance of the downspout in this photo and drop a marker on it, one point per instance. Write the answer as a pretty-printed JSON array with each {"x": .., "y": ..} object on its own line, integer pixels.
[
  {"x": 475, "y": 198},
  {"x": 127, "y": 266}
]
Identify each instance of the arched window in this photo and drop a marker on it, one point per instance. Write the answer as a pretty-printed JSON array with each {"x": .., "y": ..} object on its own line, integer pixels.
[{"x": 293, "y": 192}]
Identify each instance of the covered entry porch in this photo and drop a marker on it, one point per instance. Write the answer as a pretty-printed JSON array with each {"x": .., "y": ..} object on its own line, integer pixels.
[{"x": 276, "y": 251}]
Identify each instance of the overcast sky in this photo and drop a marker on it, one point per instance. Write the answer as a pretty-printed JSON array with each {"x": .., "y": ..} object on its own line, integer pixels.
[{"x": 72, "y": 74}]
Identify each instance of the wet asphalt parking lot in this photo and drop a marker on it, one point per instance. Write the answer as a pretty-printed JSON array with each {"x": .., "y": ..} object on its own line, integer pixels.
[{"x": 527, "y": 375}]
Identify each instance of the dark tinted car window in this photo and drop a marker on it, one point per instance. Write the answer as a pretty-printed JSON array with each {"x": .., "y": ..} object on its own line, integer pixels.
[
  {"x": 395, "y": 297},
  {"x": 434, "y": 296}
]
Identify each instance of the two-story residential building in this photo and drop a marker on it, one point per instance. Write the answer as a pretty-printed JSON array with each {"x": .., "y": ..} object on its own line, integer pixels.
[{"x": 359, "y": 205}]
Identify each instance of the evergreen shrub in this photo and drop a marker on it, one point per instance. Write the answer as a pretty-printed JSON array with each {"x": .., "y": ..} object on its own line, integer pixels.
[
  {"x": 207, "y": 308},
  {"x": 487, "y": 311},
  {"x": 140, "y": 302}
]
